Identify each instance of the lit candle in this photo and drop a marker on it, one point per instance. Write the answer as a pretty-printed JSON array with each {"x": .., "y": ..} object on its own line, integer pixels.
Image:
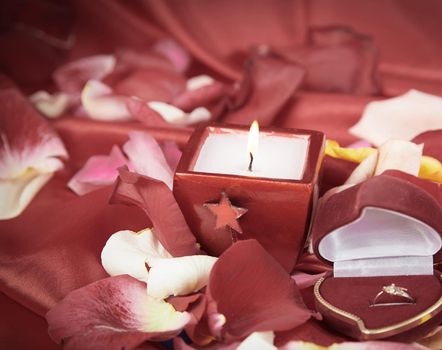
[
  {"x": 225, "y": 196},
  {"x": 281, "y": 156},
  {"x": 252, "y": 142}
]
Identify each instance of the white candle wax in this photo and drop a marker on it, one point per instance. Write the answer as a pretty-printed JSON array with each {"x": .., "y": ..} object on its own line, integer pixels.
[{"x": 278, "y": 156}]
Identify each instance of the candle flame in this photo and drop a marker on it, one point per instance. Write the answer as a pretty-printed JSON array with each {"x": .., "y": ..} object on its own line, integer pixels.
[{"x": 252, "y": 144}]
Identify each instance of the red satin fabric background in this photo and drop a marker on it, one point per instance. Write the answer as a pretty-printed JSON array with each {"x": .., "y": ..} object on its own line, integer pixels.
[{"x": 55, "y": 245}]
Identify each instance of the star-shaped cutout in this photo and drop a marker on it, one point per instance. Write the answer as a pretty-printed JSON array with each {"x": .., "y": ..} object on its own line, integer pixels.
[{"x": 226, "y": 213}]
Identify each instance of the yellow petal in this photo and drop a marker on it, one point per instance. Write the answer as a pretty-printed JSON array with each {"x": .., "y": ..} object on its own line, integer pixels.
[
  {"x": 431, "y": 169},
  {"x": 356, "y": 155}
]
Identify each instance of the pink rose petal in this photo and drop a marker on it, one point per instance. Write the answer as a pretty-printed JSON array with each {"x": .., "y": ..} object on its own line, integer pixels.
[
  {"x": 172, "y": 154},
  {"x": 156, "y": 199},
  {"x": 98, "y": 171},
  {"x": 176, "y": 54},
  {"x": 113, "y": 313},
  {"x": 259, "y": 296},
  {"x": 360, "y": 144},
  {"x": 147, "y": 158},
  {"x": 305, "y": 280},
  {"x": 72, "y": 76}
]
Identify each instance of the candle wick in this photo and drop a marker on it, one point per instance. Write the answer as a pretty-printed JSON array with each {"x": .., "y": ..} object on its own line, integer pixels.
[{"x": 251, "y": 161}]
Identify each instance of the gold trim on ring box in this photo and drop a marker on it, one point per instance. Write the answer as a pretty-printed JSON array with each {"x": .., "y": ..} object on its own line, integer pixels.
[{"x": 383, "y": 332}]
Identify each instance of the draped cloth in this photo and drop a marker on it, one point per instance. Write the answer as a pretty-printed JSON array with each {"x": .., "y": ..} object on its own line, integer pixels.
[{"x": 54, "y": 246}]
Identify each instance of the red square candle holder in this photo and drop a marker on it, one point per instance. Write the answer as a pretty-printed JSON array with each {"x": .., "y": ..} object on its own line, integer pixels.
[{"x": 223, "y": 201}]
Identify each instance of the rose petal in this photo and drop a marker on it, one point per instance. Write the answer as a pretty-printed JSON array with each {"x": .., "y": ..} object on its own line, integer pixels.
[
  {"x": 198, "y": 115},
  {"x": 179, "y": 276},
  {"x": 170, "y": 113},
  {"x": 172, "y": 154},
  {"x": 174, "y": 115},
  {"x": 432, "y": 141},
  {"x": 29, "y": 152},
  {"x": 400, "y": 118},
  {"x": 301, "y": 345},
  {"x": 16, "y": 194},
  {"x": 142, "y": 112},
  {"x": 405, "y": 156},
  {"x": 127, "y": 252},
  {"x": 311, "y": 331},
  {"x": 338, "y": 59},
  {"x": 241, "y": 295},
  {"x": 431, "y": 169},
  {"x": 72, "y": 77},
  {"x": 156, "y": 199},
  {"x": 258, "y": 340},
  {"x": 369, "y": 345},
  {"x": 195, "y": 304},
  {"x": 98, "y": 171},
  {"x": 147, "y": 157},
  {"x": 305, "y": 280},
  {"x": 198, "y": 82},
  {"x": 202, "y": 96},
  {"x": 360, "y": 144},
  {"x": 399, "y": 155},
  {"x": 433, "y": 340},
  {"x": 113, "y": 313},
  {"x": 100, "y": 103},
  {"x": 180, "y": 344},
  {"x": 151, "y": 84},
  {"x": 363, "y": 171},
  {"x": 335, "y": 190},
  {"x": 176, "y": 54},
  {"x": 374, "y": 345},
  {"x": 269, "y": 83},
  {"x": 332, "y": 149},
  {"x": 52, "y": 106}
]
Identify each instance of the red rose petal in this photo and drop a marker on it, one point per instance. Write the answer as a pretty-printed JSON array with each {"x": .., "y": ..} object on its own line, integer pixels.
[
  {"x": 273, "y": 82},
  {"x": 203, "y": 96},
  {"x": 432, "y": 141},
  {"x": 338, "y": 60},
  {"x": 142, "y": 112},
  {"x": 157, "y": 200},
  {"x": 253, "y": 293}
]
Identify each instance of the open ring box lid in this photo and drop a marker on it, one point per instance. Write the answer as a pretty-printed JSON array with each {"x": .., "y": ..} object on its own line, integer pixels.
[{"x": 385, "y": 230}]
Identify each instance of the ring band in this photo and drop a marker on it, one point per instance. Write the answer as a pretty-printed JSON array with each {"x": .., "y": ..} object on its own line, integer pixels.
[{"x": 394, "y": 291}]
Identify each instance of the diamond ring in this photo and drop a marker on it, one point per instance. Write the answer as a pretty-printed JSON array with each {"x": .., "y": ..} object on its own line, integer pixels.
[{"x": 393, "y": 295}]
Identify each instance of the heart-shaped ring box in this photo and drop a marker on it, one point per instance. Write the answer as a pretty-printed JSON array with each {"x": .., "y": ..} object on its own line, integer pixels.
[{"x": 382, "y": 232}]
